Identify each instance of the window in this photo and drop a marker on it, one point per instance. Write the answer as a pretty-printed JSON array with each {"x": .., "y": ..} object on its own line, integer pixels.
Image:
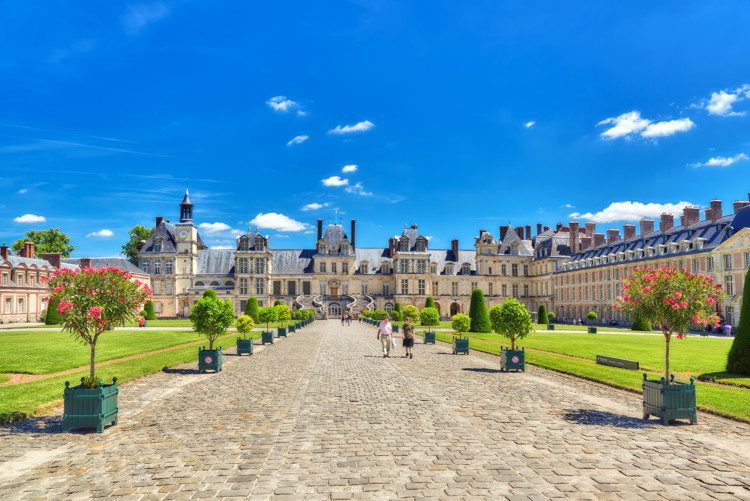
[
  {"x": 157, "y": 307},
  {"x": 421, "y": 287},
  {"x": 695, "y": 266},
  {"x": 334, "y": 268},
  {"x": 21, "y": 305},
  {"x": 435, "y": 288},
  {"x": 157, "y": 267},
  {"x": 322, "y": 288},
  {"x": 260, "y": 266},
  {"x": 729, "y": 315},
  {"x": 277, "y": 287},
  {"x": 404, "y": 286},
  {"x": 729, "y": 285},
  {"x": 169, "y": 288},
  {"x": 489, "y": 272},
  {"x": 306, "y": 288},
  {"x": 157, "y": 288},
  {"x": 525, "y": 290},
  {"x": 515, "y": 290},
  {"x": 727, "y": 262},
  {"x": 503, "y": 270},
  {"x": 214, "y": 284},
  {"x": 291, "y": 288},
  {"x": 243, "y": 244},
  {"x": 157, "y": 245},
  {"x": 8, "y": 305},
  {"x": 20, "y": 279},
  {"x": 169, "y": 267},
  {"x": 514, "y": 270},
  {"x": 505, "y": 290},
  {"x": 146, "y": 265},
  {"x": 433, "y": 268},
  {"x": 242, "y": 265},
  {"x": 386, "y": 290},
  {"x": 345, "y": 268},
  {"x": 490, "y": 289},
  {"x": 260, "y": 286},
  {"x": 32, "y": 279},
  {"x": 474, "y": 285},
  {"x": 422, "y": 266},
  {"x": 454, "y": 288},
  {"x": 402, "y": 268},
  {"x": 200, "y": 284},
  {"x": 243, "y": 285},
  {"x": 710, "y": 264},
  {"x": 465, "y": 269},
  {"x": 345, "y": 288},
  {"x": 322, "y": 268},
  {"x": 526, "y": 270},
  {"x": 364, "y": 288}
]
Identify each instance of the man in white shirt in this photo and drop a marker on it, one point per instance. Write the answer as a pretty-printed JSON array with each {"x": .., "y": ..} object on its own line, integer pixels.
[{"x": 385, "y": 329}]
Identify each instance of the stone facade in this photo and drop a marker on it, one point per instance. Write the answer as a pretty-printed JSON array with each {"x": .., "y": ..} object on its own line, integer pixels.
[{"x": 338, "y": 275}]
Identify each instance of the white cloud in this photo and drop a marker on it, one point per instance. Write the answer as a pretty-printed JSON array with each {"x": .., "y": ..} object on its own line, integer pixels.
[
  {"x": 278, "y": 222},
  {"x": 668, "y": 128},
  {"x": 722, "y": 161},
  {"x": 358, "y": 189},
  {"x": 349, "y": 168},
  {"x": 314, "y": 206},
  {"x": 362, "y": 126},
  {"x": 721, "y": 103},
  {"x": 298, "y": 140},
  {"x": 282, "y": 104},
  {"x": 630, "y": 211},
  {"x": 631, "y": 123},
  {"x": 335, "y": 181},
  {"x": 568, "y": 206},
  {"x": 279, "y": 235},
  {"x": 141, "y": 15},
  {"x": 30, "y": 218},
  {"x": 23, "y": 191},
  {"x": 529, "y": 124},
  {"x": 103, "y": 233},
  {"x": 223, "y": 247},
  {"x": 301, "y": 113},
  {"x": 213, "y": 228}
]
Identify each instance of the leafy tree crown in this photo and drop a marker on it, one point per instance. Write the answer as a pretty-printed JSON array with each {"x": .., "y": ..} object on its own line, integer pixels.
[
  {"x": 511, "y": 320},
  {"x": 461, "y": 323},
  {"x": 429, "y": 317},
  {"x": 46, "y": 241}
]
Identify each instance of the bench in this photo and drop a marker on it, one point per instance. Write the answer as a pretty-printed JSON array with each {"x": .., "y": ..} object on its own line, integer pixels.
[{"x": 623, "y": 363}]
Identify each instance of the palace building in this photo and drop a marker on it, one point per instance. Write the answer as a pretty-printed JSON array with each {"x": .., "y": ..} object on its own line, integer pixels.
[{"x": 570, "y": 269}]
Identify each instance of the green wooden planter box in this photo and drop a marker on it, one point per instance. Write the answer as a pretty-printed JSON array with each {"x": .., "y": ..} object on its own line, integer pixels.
[
  {"x": 266, "y": 337},
  {"x": 512, "y": 360},
  {"x": 244, "y": 346},
  {"x": 395, "y": 328},
  {"x": 282, "y": 331},
  {"x": 90, "y": 408},
  {"x": 210, "y": 360},
  {"x": 668, "y": 402},
  {"x": 292, "y": 328},
  {"x": 550, "y": 327},
  {"x": 592, "y": 330},
  {"x": 461, "y": 345},
  {"x": 429, "y": 338}
]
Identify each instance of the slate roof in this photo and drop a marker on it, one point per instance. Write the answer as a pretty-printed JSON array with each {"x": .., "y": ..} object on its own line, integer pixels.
[
  {"x": 216, "y": 262},
  {"x": 292, "y": 261},
  {"x": 168, "y": 233},
  {"x": 104, "y": 262}
]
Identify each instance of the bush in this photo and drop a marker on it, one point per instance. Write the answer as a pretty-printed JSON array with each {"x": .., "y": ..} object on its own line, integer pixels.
[
  {"x": 410, "y": 311},
  {"x": 461, "y": 323},
  {"x": 429, "y": 317},
  {"x": 640, "y": 324},
  {"x": 511, "y": 320},
  {"x": 53, "y": 317},
  {"x": 592, "y": 316},
  {"x": 551, "y": 316},
  {"x": 378, "y": 314},
  {"x": 245, "y": 324},
  {"x": 251, "y": 309},
  {"x": 541, "y": 315},
  {"x": 396, "y": 316},
  {"x": 429, "y": 303},
  {"x": 267, "y": 315},
  {"x": 738, "y": 360},
  {"x": 148, "y": 310},
  {"x": 397, "y": 309},
  {"x": 210, "y": 293},
  {"x": 277, "y": 303},
  {"x": 480, "y": 320},
  {"x": 283, "y": 312}
]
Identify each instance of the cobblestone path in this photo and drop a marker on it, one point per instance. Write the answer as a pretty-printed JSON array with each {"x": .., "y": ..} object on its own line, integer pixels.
[{"x": 321, "y": 415}]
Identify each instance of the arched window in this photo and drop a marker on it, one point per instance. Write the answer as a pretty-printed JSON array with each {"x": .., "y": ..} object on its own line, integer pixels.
[
  {"x": 389, "y": 307},
  {"x": 214, "y": 284},
  {"x": 200, "y": 284},
  {"x": 229, "y": 284}
]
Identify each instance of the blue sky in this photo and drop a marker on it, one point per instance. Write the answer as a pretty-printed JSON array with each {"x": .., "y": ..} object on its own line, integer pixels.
[{"x": 456, "y": 115}]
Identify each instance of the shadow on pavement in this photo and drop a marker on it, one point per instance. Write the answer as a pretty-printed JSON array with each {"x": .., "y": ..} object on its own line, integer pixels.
[
  {"x": 483, "y": 370},
  {"x": 168, "y": 370},
  {"x": 39, "y": 424},
  {"x": 603, "y": 418}
]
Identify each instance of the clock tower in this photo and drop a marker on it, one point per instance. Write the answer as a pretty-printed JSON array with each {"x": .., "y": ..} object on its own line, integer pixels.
[{"x": 186, "y": 236}]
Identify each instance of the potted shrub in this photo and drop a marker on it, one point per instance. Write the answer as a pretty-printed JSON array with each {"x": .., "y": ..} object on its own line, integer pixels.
[
  {"x": 211, "y": 317},
  {"x": 245, "y": 324},
  {"x": 592, "y": 316},
  {"x": 88, "y": 302},
  {"x": 673, "y": 300},
  {"x": 460, "y": 323},
  {"x": 550, "y": 320},
  {"x": 266, "y": 316},
  {"x": 429, "y": 317},
  {"x": 283, "y": 316},
  {"x": 513, "y": 321}
]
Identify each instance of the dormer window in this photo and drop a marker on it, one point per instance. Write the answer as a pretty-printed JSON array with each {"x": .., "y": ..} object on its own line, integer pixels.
[
  {"x": 465, "y": 269},
  {"x": 363, "y": 267},
  {"x": 244, "y": 244},
  {"x": 403, "y": 244},
  {"x": 449, "y": 269},
  {"x": 421, "y": 244},
  {"x": 158, "y": 244}
]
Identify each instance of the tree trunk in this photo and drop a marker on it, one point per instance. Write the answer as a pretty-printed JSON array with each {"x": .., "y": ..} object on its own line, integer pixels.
[
  {"x": 92, "y": 369},
  {"x": 211, "y": 343},
  {"x": 512, "y": 343},
  {"x": 667, "y": 338}
]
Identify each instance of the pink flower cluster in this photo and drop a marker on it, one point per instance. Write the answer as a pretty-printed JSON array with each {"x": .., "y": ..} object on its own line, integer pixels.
[
  {"x": 64, "y": 306},
  {"x": 676, "y": 301}
]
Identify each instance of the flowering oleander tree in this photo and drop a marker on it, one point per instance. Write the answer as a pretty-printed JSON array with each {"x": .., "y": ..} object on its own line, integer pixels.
[
  {"x": 90, "y": 300},
  {"x": 672, "y": 299}
]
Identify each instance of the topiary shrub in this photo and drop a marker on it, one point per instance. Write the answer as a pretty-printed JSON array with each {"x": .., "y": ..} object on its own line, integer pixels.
[
  {"x": 148, "y": 310},
  {"x": 267, "y": 315},
  {"x": 53, "y": 317},
  {"x": 412, "y": 312},
  {"x": 541, "y": 315},
  {"x": 245, "y": 324},
  {"x": 429, "y": 302},
  {"x": 396, "y": 316},
  {"x": 251, "y": 309},
  {"x": 210, "y": 293},
  {"x": 640, "y": 324},
  {"x": 738, "y": 360},
  {"x": 460, "y": 323},
  {"x": 592, "y": 316},
  {"x": 480, "y": 319},
  {"x": 429, "y": 317}
]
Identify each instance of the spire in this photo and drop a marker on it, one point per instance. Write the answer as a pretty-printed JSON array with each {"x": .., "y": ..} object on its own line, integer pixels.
[
  {"x": 186, "y": 208},
  {"x": 186, "y": 198}
]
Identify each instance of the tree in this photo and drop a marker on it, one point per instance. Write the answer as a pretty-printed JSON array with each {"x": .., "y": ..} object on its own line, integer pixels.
[
  {"x": 52, "y": 317},
  {"x": 46, "y": 241},
  {"x": 397, "y": 309},
  {"x": 429, "y": 302},
  {"x": 211, "y": 317},
  {"x": 378, "y": 314},
  {"x": 251, "y": 309},
  {"x": 148, "y": 311},
  {"x": 672, "y": 299},
  {"x": 137, "y": 234},
  {"x": 639, "y": 324},
  {"x": 267, "y": 315},
  {"x": 429, "y": 317},
  {"x": 738, "y": 360},
  {"x": 410, "y": 311},
  {"x": 461, "y": 323},
  {"x": 541, "y": 315},
  {"x": 90, "y": 301},
  {"x": 511, "y": 320},
  {"x": 277, "y": 303},
  {"x": 245, "y": 324},
  {"x": 592, "y": 316},
  {"x": 283, "y": 313},
  {"x": 480, "y": 320},
  {"x": 551, "y": 316},
  {"x": 396, "y": 316},
  {"x": 211, "y": 294}
]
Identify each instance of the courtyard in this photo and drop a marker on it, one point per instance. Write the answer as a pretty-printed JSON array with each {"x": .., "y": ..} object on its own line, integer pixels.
[{"x": 321, "y": 415}]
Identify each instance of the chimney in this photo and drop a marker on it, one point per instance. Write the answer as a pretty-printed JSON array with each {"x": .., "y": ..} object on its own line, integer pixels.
[
  {"x": 53, "y": 258},
  {"x": 392, "y": 245},
  {"x": 690, "y": 216},
  {"x": 353, "y": 235},
  {"x": 598, "y": 239},
  {"x": 454, "y": 249},
  {"x": 590, "y": 229},
  {"x": 585, "y": 243},
  {"x": 503, "y": 231},
  {"x": 538, "y": 228},
  {"x": 4, "y": 252},
  {"x": 320, "y": 229},
  {"x": 519, "y": 232},
  {"x": 159, "y": 219},
  {"x": 573, "y": 236},
  {"x": 85, "y": 262},
  {"x": 629, "y": 230},
  {"x": 716, "y": 210},
  {"x": 29, "y": 249},
  {"x": 613, "y": 235},
  {"x": 647, "y": 227},
  {"x": 527, "y": 232},
  {"x": 546, "y": 228},
  {"x": 558, "y": 226},
  {"x": 740, "y": 204},
  {"x": 666, "y": 222}
]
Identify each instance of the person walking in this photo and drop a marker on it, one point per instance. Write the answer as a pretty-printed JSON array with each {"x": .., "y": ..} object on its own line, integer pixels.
[
  {"x": 385, "y": 332},
  {"x": 408, "y": 338}
]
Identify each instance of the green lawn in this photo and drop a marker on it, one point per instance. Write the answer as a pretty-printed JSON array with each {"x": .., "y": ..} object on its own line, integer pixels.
[
  {"x": 583, "y": 328},
  {"x": 21, "y": 400},
  {"x": 693, "y": 356},
  {"x": 43, "y": 352}
]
